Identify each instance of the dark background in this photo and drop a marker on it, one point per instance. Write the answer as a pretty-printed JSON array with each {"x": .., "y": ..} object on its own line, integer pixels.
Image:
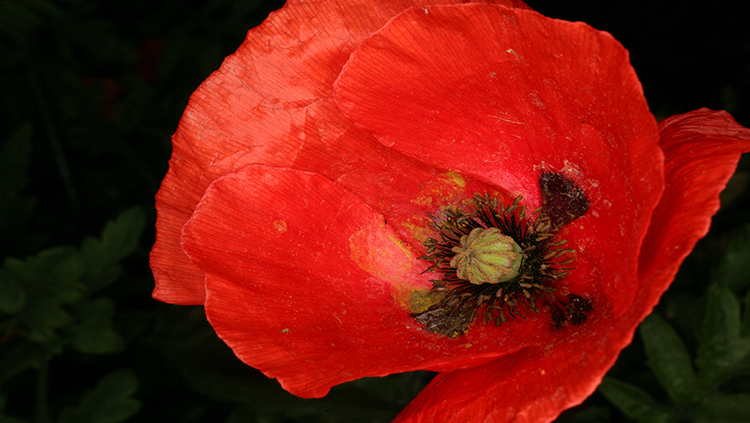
[{"x": 94, "y": 89}]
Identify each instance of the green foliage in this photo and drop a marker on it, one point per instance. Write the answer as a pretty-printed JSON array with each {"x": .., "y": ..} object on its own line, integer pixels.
[
  {"x": 12, "y": 295},
  {"x": 669, "y": 360},
  {"x": 119, "y": 239},
  {"x": 48, "y": 301},
  {"x": 110, "y": 402},
  {"x": 722, "y": 346},
  {"x": 712, "y": 387},
  {"x": 49, "y": 295},
  {"x": 209, "y": 367},
  {"x": 734, "y": 268},
  {"x": 634, "y": 402},
  {"x": 94, "y": 333}
]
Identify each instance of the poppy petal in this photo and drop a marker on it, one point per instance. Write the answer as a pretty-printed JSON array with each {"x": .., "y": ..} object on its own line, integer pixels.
[
  {"x": 702, "y": 149},
  {"x": 308, "y": 284},
  {"x": 269, "y": 103},
  {"x": 529, "y": 386},
  {"x": 503, "y": 95}
]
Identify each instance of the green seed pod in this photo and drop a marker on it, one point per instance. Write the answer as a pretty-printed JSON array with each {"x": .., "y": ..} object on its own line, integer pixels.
[{"x": 487, "y": 256}]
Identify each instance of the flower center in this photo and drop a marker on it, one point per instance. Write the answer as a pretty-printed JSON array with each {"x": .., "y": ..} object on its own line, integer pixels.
[
  {"x": 495, "y": 261},
  {"x": 487, "y": 256}
]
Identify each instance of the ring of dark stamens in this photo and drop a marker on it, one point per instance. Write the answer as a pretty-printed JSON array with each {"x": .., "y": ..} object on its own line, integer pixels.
[{"x": 458, "y": 301}]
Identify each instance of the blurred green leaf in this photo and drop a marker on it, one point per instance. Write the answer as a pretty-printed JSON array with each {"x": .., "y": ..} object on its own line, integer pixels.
[
  {"x": 633, "y": 401},
  {"x": 686, "y": 312},
  {"x": 21, "y": 357},
  {"x": 93, "y": 333},
  {"x": 734, "y": 269},
  {"x": 745, "y": 326},
  {"x": 109, "y": 402},
  {"x": 119, "y": 239},
  {"x": 45, "y": 289},
  {"x": 669, "y": 360},
  {"x": 42, "y": 317},
  {"x": 721, "y": 346},
  {"x": 212, "y": 369},
  {"x": 54, "y": 273},
  {"x": 728, "y": 408},
  {"x": 12, "y": 295}
]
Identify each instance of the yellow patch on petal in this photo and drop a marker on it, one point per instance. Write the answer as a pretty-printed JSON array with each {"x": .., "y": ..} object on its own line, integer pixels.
[
  {"x": 379, "y": 252},
  {"x": 419, "y": 231},
  {"x": 418, "y": 301},
  {"x": 446, "y": 186},
  {"x": 456, "y": 179}
]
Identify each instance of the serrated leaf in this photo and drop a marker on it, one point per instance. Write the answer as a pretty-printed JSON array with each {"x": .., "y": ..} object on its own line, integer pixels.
[
  {"x": 109, "y": 402},
  {"x": 93, "y": 333},
  {"x": 42, "y": 317},
  {"x": 633, "y": 401},
  {"x": 721, "y": 346},
  {"x": 119, "y": 239},
  {"x": 668, "y": 358},
  {"x": 96, "y": 340},
  {"x": 12, "y": 295},
  {"x": 734, "y": 268},
  {"x": 54, "y": 273}
]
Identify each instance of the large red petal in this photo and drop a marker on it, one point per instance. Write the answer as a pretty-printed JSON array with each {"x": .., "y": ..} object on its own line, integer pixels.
[
  {"x": 504, "y": 95},
  {"x": 530, "y": 386},
  {"x": 269, "y": 103},
  {"x": 308, "y": 284},
  {"x": 702, "y": 149}
]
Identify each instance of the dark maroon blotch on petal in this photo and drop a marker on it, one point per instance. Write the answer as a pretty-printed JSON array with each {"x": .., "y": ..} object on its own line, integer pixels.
[
  {"x": 576, "y": 311},
  {"x": 562, "y": 200}
]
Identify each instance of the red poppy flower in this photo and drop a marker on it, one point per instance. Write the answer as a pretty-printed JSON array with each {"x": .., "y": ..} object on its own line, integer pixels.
[{"x": 367, "y": 188}]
